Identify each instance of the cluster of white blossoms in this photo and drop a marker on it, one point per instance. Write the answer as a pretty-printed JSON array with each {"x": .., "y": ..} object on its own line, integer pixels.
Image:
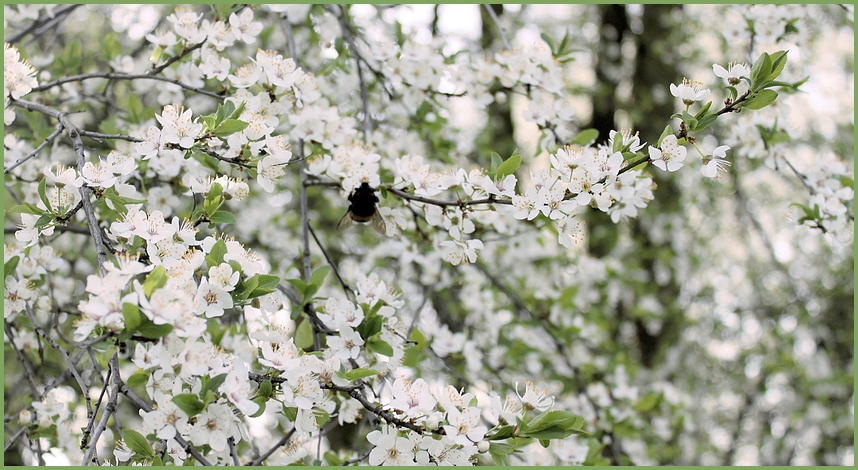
[
  {"x": 19, "y": 77},
  {"x": 832, "y": 193}
]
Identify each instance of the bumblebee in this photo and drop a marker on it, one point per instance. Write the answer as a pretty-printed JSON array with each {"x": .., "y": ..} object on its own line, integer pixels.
[{"x": 362, "y": 209}]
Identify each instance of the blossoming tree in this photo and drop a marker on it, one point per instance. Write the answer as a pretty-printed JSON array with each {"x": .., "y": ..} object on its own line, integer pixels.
[{"x": 544, "y": 284}]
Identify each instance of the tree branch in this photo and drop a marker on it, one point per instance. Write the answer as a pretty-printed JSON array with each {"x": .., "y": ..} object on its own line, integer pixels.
[
  {"x": 65, "y": 10},
  {"x": 108, "y": 410},
  {"x": 283, "y": 440},
  {"x": 124, "y": 76},
  {"x": 32, "y": 154},
  {"x": 74, "y": 134}
]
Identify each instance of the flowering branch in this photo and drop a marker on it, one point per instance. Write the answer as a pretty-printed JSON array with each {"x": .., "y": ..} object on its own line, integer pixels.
[
  {"x": 377, "y": 410},
  {"x": 125, "y": 76},
  {"x": 74, "y": 134},
  {"x": 123, "y": 388}
]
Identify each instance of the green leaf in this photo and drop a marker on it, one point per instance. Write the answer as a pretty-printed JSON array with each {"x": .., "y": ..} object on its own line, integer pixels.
[
  {"x": 689, "y": 120},
  {"x": 309, "y": 293},
  {"x": 9, "y": 266},
  {"x": 497, "y": 161},
  {"x": 760, "y": 100},
  {"x": 157, "y": 53},
  {"x": 155, "y": 280},
  {"x": 585, "y": 137},
  {"x": 132, "y": 316},
  {"x": 666, "y": 132},
  {"x": 648, "y": 403},
  {"x": 110, "y": 46},
  {"x": 545, "y": 37},
  {"x": 246, "y": 287},
  {"x": 553, "y": 432},
  {"x": 502, "y": 433},
  {"x": 304, "y": 335},
  {"x": 761, "y": 71},
  {"x": 153, "y": 331},
  {"x": 214, "y": 199},
  {"x": 43, "y": 193},
  {"x": 703, "y": 111},
  {"x": 157, "y": 462},
  {"x": 217, "y": 253},
  {"x": 779, "y": 60},
  {"x": 565, "y": 420},
  {"x": 318, "y": 276},
  {"x": 229, "y": 127},
  {"x": 135, "y": 108},
  {"x": 332, "y": 460},
  {"x": 265, "y": 389},
  {"x": 705, "y": 122},
  {"x": 43, "y": 220},
  {"x": 212, "y": 383},
  {"x": 222, "y": 217},
  {"x": 137, "y": 380},
  {"x": 189, "y": 403},
  {"x": 261, "y": 402},
  {"x": 500, "y": 459},
  {"x": 502, "y": 449},
  {"x": 370, "y": 325},
  {"x": 290, "y": 413},
  {"x": 224, "y": 110},
  {"x": 223, "y": 10},
  {"x": 380, "y": 347},
  {"x": 355, "y": 374},
  {"x": 26, "y": 208},
  {"x": 137, "y": 443},
  {"x": 509, "y": 166},
  {"x": 238, "y": 111},
  {"x": 267, "y": 281},
  {"x": 299, "y": 284}
]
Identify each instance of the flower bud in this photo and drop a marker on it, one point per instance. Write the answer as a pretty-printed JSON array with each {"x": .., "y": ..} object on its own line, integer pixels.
[
  {"x": 25, "y": 417},
  {"x": 483, "y": 446}
]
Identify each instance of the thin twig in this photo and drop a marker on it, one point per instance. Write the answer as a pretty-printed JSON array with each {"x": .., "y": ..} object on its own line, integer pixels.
[
  {"x": 28, "y": 368},
  {"x": 98, "y": 135},
  {"x": 497, "y": 23},
  {"x": 283, "y": 440},
  {"x": 74, "y": 134},
  {"x": 331, "y": 263},
  {"x": 124, "y": 76},
  {"x": 233, "y": 452},
  {"x": 89, "y": 426},
  {"x": 364, "y": 96},
  {"x": 125, "y": 390},
  {"x": 32, "y": 154},
  {"x": 108, "y": 411},
  {"x": 14, "y": 438},
  {"x": 356, "y": 460},
  {"x": 40, "y": 21},
  {"x": 354, "y": 392},
  {"x": 188, "y": 50}
]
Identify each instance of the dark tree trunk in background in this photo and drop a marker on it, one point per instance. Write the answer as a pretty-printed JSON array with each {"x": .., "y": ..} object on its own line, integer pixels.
[
  {"x": 655, "y": 70},
  {"x": 650, "y": 106},
  {"x": 615, "y": 28},
  {"x": 498, "y": 134}
]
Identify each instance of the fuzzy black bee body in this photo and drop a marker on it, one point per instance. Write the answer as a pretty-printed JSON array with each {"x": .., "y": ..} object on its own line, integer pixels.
[{"x": 362, "y": 209}]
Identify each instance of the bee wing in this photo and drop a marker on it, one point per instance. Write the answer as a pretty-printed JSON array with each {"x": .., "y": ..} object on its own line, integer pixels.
[
  {"x": 378, "y": 223},
  {"x": 345, "y": 222}
]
